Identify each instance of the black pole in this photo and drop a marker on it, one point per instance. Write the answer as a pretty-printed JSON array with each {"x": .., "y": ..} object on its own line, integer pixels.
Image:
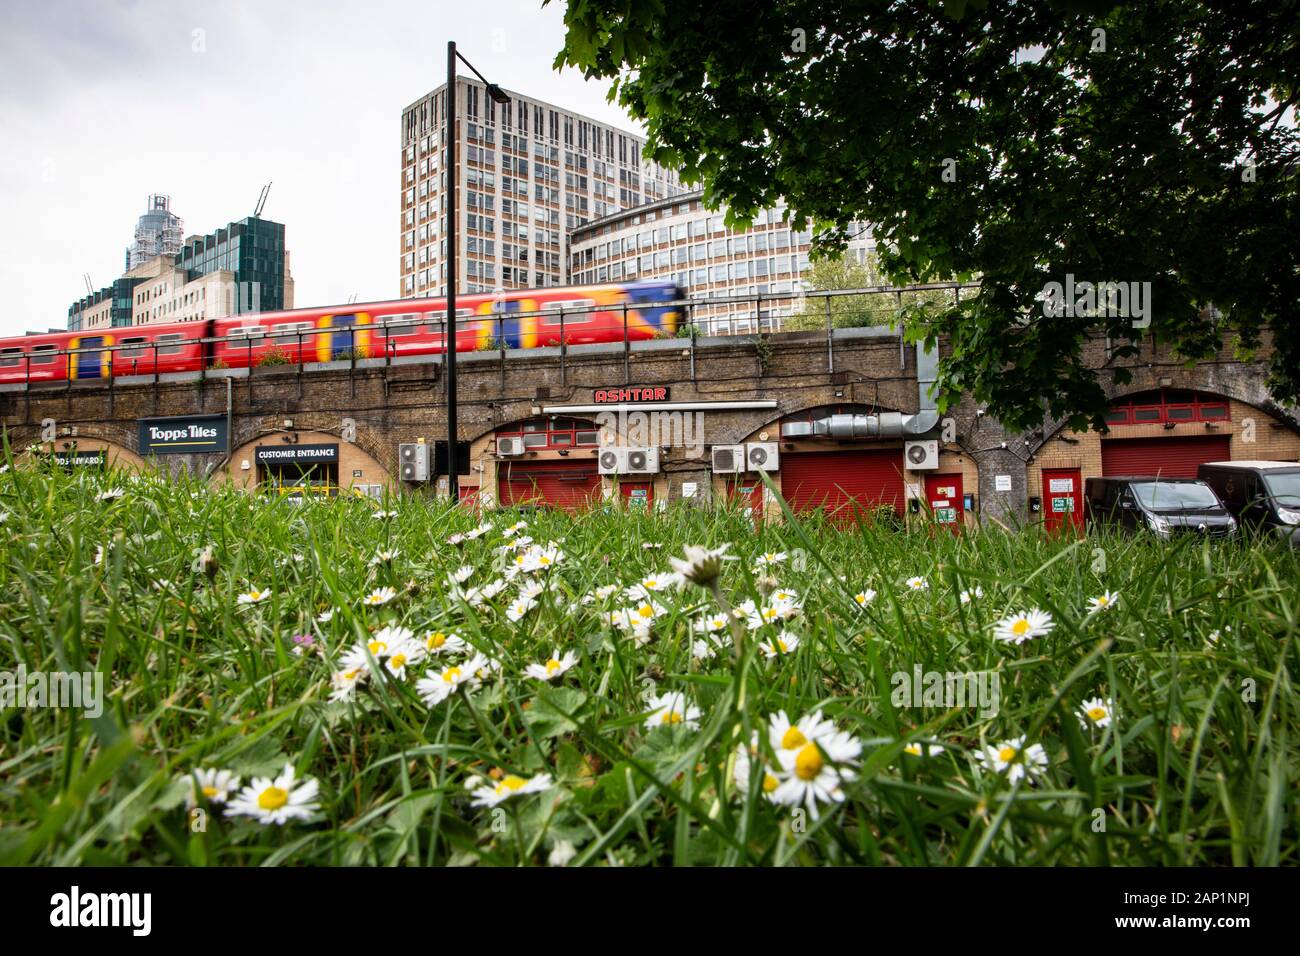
[{"x": 449, "y": 233}]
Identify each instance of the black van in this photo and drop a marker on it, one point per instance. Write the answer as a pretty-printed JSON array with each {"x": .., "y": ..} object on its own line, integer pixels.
[
  {"x": 1264, "y": 495},
  {"x": 1165, "y": 506}
]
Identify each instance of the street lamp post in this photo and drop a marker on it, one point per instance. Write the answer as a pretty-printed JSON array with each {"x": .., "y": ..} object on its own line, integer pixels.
[{"x": 449, "y": 233}]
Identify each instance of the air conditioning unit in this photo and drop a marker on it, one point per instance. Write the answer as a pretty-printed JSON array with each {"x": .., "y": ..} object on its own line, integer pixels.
[
  {"x": 509, "y": 447},
  {"x": 728, "y": 459},
  {"x": 921, "y": 455},
  {"x": 642, "y": 461},
  {"x": 612, "y": 461},
  {"x": 414, "y": 460},
  {"x": 762, "y": 456}
]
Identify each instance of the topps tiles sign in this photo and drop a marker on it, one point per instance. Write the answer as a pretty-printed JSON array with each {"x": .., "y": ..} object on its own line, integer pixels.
[{"x": 183, "y": 436}]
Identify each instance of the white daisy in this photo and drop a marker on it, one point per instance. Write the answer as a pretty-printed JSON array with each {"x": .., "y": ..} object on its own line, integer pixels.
[
  {"x": 700, "y": 565},
  {"x": 437, "y": 642},
  {"x": 917, "y": 584},
  {"x": 437, "y": 686},
  {"x": 863, "y": 598},
  {"x": 531, "y": 590},
  {"x": 324, "y": 617},
  {"x": 1103, "y": 603},
  {"x": 702, "y": 650},
  {"x": 971, "y": 595},
  {"x": 553, "y": 668},
  {"x": 1013, "y": 757},
  {"x": 671, "y": 709},
  {"x": 1020, "y": 626},
  {"x": 277, "y": 801},
  {"x": 561, "y": 853},
  {"x": 385, "y": 515},
  {"x": 712, "y": 624},
  {"x": 1096, "y": 712},
  {"x": 383, "y": 557},
  {"x": 918, "y": 749},
  {"x": 814, "y": 772},
  {"x": 112, "y": 494},
  {"x": 519, "y": 607},
  {"x": 783, "y": 643},
  {"x": 253, "y": 596},
  {"x": 210, "y": 784},
  {"x": 510, "y": 786},
  {"x": 768, "y": 559},
  {"x": 379, "y": 597},
  {"x": 746, "y": 757},
  {"x": 461, "y": 574},
  {"x": 344, "y": 682},
  {"x": 515, "y": 528}
]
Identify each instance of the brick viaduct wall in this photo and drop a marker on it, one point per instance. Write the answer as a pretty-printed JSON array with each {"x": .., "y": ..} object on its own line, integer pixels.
[{"x": 397, "y": 403}]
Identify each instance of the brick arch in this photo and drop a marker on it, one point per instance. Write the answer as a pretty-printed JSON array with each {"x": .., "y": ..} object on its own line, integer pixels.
[
  {"x": 1249, "y": 390},
  {"x": 248, "y": 430},
  {"x": 784, "y": 413},
  {"x": 118, "y": 441}
]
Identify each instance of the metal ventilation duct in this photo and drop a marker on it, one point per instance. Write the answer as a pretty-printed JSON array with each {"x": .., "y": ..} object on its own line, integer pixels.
[{"x": 884, "y": 425}]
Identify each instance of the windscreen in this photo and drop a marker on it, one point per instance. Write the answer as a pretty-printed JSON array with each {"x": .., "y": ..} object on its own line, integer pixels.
[
  {"x": 1284, "y": 487},
  {"x": 1173, "y": 496}
]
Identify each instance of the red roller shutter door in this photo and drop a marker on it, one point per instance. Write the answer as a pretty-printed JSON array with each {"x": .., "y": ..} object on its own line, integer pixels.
[
  {"x": 564, "y": 484},
  {"x": 844, "y": 482},
  {"x": 1167, "y": 457}
]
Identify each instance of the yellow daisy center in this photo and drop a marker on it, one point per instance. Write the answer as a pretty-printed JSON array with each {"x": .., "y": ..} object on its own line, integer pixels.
[
  {"x": 1020, "y": 628},
  {"x": 913, "y": 749},
  {"x": 808, "y": 763},
  {"x": 671, "y": 717},
  {"x": 781, "y": 644},
  {"x": 210, "y": 792},
  {"x": 552, "y": 666},
  {"x": 770, "y": 783},
  {"x": 793, "y": 739},
  {"x": 645, "y": 610},
  {"x": 510, "y": 784},
  {"x": 272, "y": 798},
  {"x": 397, "y": 661},
  {"x": 451, "y": 675},
  {"x": 1096, "y": 713},
  {"x": 377, "y": 647},
  {"x": 437, "y": 639},
  {"x": 1007, "y": 754}
]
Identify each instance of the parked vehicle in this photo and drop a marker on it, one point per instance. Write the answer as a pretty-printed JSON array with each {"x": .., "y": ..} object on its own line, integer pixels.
[
  {"x": 1263, "y": 495},
  {"x": 1165, "y": 506}
]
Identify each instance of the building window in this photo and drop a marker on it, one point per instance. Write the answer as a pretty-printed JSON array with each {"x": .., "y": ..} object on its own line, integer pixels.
[{"x": 1167, "y": 407}]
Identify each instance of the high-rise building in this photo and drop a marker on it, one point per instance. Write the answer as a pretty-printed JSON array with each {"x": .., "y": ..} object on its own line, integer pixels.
[
  {"x": 680, "y": 240},
  {"x": 241, "y": 267},
  {"x": 528, "y": 174},
  {"x": 157, "y": 233}
]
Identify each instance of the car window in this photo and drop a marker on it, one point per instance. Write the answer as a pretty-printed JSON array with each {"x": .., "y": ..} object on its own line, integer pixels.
[
  {"x": 1284, "y": 487},
  {"x": 1174, "y": 495}
]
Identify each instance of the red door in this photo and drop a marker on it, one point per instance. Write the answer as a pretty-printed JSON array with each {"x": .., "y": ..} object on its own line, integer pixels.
[
  {"x": 562, "y": 484},
  {"x": 747, "y": 492},
  {"x": 637, "y": 495},
  {"x": 848, "y": 484},
  {"x": 1175, "y": 457},
  {"x": 943, "y": 499},
  {"x": 1062, "y": 498}
]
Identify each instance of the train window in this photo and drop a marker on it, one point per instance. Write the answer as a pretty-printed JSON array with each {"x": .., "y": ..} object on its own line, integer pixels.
[
  {"x": 173, "y": 343},
  {"x": 570, "y": 318},
  {"x": 46, "y": 359},
  {"x": 251, "y": 332},
  {"x": 10, "y": 357},
  {"x": 291, "y": 333},
  {"x": 134, "y": 352},
  {"x": 398, "y": 325}
]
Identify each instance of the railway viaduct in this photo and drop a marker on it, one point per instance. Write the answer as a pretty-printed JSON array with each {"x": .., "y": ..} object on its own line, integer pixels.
[{"x": 728, "y": 390}]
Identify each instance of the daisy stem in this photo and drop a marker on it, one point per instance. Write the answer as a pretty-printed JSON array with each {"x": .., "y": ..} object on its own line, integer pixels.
[{"x": 737, "y": 629}]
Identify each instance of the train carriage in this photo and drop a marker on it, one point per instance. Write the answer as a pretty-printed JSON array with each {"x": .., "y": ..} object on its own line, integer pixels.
[{"x": 99, "y": 353}]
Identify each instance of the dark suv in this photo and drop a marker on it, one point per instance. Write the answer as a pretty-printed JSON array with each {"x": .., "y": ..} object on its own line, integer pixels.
[
  {"x": 1264, "y": 495},
  {"x": 1165, "y": 506}
]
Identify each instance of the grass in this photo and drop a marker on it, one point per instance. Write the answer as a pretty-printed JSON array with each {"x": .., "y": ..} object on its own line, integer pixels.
[{"x": 1198, "y": 766}]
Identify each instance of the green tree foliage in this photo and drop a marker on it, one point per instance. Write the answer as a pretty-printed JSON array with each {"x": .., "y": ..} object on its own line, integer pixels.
[
  {"x": 1021, "y": 141},
  {"x": 832, "y": 273}
]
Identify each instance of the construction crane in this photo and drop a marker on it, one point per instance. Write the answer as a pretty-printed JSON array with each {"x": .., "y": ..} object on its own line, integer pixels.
[{"x": 261, "y": 200}]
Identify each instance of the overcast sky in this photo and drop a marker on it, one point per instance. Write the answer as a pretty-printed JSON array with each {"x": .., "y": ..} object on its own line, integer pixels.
[{"x": 103, "y": 102}]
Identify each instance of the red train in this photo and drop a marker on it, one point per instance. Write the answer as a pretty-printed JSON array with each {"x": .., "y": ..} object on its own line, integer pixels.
[{"x": 371, "y": 330}]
